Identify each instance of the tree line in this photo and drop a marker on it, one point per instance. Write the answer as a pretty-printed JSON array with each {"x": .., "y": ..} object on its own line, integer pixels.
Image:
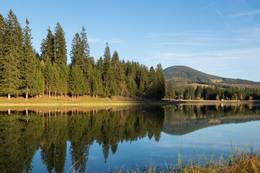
[
  {"x": 211, "y": 92},
  {"x": 24, "y": 72}
]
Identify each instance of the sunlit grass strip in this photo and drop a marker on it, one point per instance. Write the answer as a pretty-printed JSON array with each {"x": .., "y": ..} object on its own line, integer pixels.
[
  {"x": 65, "y": 102},
  {"x": 236, "y": 164}
]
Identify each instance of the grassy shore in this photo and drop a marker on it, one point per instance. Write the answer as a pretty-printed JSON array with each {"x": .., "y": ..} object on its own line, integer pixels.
[
  {"x": 239, "y": 164},
  {"x": 87, "y": 101},
  {"x": 214, "y": 102},
  {"x": 84, "y": 101}
]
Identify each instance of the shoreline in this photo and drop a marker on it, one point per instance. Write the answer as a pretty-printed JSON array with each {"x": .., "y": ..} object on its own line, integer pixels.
[
  {"x": 98, "y": 102},
  {"x": 214, "y": 102},
  {"x": 84, "y": 101}
]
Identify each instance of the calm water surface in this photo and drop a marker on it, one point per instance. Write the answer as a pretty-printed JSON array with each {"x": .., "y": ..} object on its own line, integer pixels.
[{"x": 106, "y": 140}]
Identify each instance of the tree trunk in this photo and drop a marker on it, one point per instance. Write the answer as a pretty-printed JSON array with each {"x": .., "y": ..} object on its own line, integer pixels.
[{"x": 26, "y": 95}]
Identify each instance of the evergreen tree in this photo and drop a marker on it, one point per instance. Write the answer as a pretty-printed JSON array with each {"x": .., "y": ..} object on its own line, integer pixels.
[
  {"x": 79, "y": 57},
  {"x": 48, "y": 74},
  {"x": 38, "y": 82},
  {"x": 29, "y": 64},
  {"x": 77, "y": 85},
  {"x": 47, "y": 47},
  {"x": 2, "y": 35},
  {"x": 60, "y": 50},
  {"x": 60, "y": 59},
  {"x": 107, "y": 73},
  {"x": 12, "y": 51},
  {"x": 160, "y": 93},
  {"x": 47, "y": 56},
  {"x": 2, "y": 43},
  {"x": 118, "y": 81},
  {"x": 170, "y": 90}
]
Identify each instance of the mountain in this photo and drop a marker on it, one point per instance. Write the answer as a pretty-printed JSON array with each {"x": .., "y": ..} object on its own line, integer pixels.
[{"x": 183, "y": 75}]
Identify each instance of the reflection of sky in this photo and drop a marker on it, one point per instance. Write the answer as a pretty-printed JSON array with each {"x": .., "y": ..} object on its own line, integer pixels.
[{"x": 205, "y": 143}]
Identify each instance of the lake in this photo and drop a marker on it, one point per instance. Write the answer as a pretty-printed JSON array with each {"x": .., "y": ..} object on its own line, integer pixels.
[{"x": 74, "y": 140}]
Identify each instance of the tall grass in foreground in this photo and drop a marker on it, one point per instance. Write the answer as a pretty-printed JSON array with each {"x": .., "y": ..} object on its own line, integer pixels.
[{"x": 242, "y": 163}]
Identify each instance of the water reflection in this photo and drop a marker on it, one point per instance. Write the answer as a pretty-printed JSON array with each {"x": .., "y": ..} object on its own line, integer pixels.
[
  {"x": 21, "y": 135},
  {"x": 26, "y": 132},
  {"x": 180, "y": 120}
]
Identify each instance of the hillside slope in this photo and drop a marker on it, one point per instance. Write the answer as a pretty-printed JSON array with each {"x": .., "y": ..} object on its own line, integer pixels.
[{"x": 181, "y": 75}]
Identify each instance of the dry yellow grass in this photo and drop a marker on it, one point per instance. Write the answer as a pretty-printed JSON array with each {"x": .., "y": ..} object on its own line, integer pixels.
[
  {"x": 244, "y": 164},
  {"x": 83, "y": 101},
  {"x": 241, "y": 164}
]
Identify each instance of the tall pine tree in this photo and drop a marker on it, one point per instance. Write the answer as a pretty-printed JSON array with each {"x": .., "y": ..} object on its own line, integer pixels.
[
  {"x": 60, "y": 59},
  {"x": 47, "y": 56},
  {"x": 12, "y": 51},
  {"x": 29, "y": 64}
]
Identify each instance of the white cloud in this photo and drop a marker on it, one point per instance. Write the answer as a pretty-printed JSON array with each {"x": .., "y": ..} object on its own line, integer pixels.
[
  {"x": 246, "y": 13},
  {"x": 233, "y": 54},
  {"x": 94, "y": 40},
  {"x": 103, "y": 41},
  {"x": 237, "y": 38}
]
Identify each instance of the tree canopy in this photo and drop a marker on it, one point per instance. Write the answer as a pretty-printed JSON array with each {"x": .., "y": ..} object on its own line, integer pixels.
[{"x": 24, "y": 72}]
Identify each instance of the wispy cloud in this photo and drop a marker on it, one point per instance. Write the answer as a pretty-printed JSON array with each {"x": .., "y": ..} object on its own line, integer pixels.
[
  {"x": 94, "y": 40},
  {"x": 236, "y": 63},
  {"x": 248, "y": 37},
  {"x": 246, "y": 13},
  {"x": 103, "y": 41},
  {"x": 230, "y": 54}
]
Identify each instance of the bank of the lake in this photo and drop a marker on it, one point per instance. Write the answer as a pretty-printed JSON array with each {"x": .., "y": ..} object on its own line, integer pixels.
[
  {"x": 236, "y": 164},
  {"x": 93, "y": 102},
  {"x": 213, "y": 102},
  {"x": 83, "y": 101}
]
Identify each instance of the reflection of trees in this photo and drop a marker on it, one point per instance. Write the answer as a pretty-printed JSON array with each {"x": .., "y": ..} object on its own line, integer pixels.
[
  {"x": 19, "y": 139},
  {"x": 21, "y": 135},
  {"x": 182, "y": 119},
  {"x": 53, "y": 144}
]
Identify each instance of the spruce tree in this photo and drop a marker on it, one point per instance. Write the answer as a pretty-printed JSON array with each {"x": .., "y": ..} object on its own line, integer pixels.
[
  {"x": 47, "y": 56},
  {"x": 160, "y": 88},
  {"x": 48, "y": 75},
  {"x": 2, "y": 43},
  {"x": 28, "y": 63},
  {"x": 107, "y": 72},
  {"x": 118, "y": 79},
  {"x": 60, "y": 59},
  {"x": 47, "y": 47},
  {"x": 77, "y": 85},
  {"x": 9, "y": 82},
  {"x": 77, "y": 53},
  {"x": 60, "y": 50},
  {"x": 38, "y": 82},
  {"x": 78, "y": 57}
]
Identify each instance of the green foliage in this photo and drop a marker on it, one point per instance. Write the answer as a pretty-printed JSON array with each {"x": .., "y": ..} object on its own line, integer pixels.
[
  {"x": 211, "y": 93},
  {"x": 31, "y": 79},
  {"x": 11, "y": 57},
  {"x": 23, "y": 72},
  {"x": 77, "y": 84}
]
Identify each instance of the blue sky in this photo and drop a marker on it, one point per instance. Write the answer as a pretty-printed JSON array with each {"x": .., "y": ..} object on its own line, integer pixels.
[{"x": 220, "y": 37}]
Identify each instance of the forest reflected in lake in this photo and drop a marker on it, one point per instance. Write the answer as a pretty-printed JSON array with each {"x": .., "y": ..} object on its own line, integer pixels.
[{"x": 79, "y": 141}]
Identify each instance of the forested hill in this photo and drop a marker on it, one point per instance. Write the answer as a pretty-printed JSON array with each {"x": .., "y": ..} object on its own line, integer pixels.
[{"x": 186, "y": 75}]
